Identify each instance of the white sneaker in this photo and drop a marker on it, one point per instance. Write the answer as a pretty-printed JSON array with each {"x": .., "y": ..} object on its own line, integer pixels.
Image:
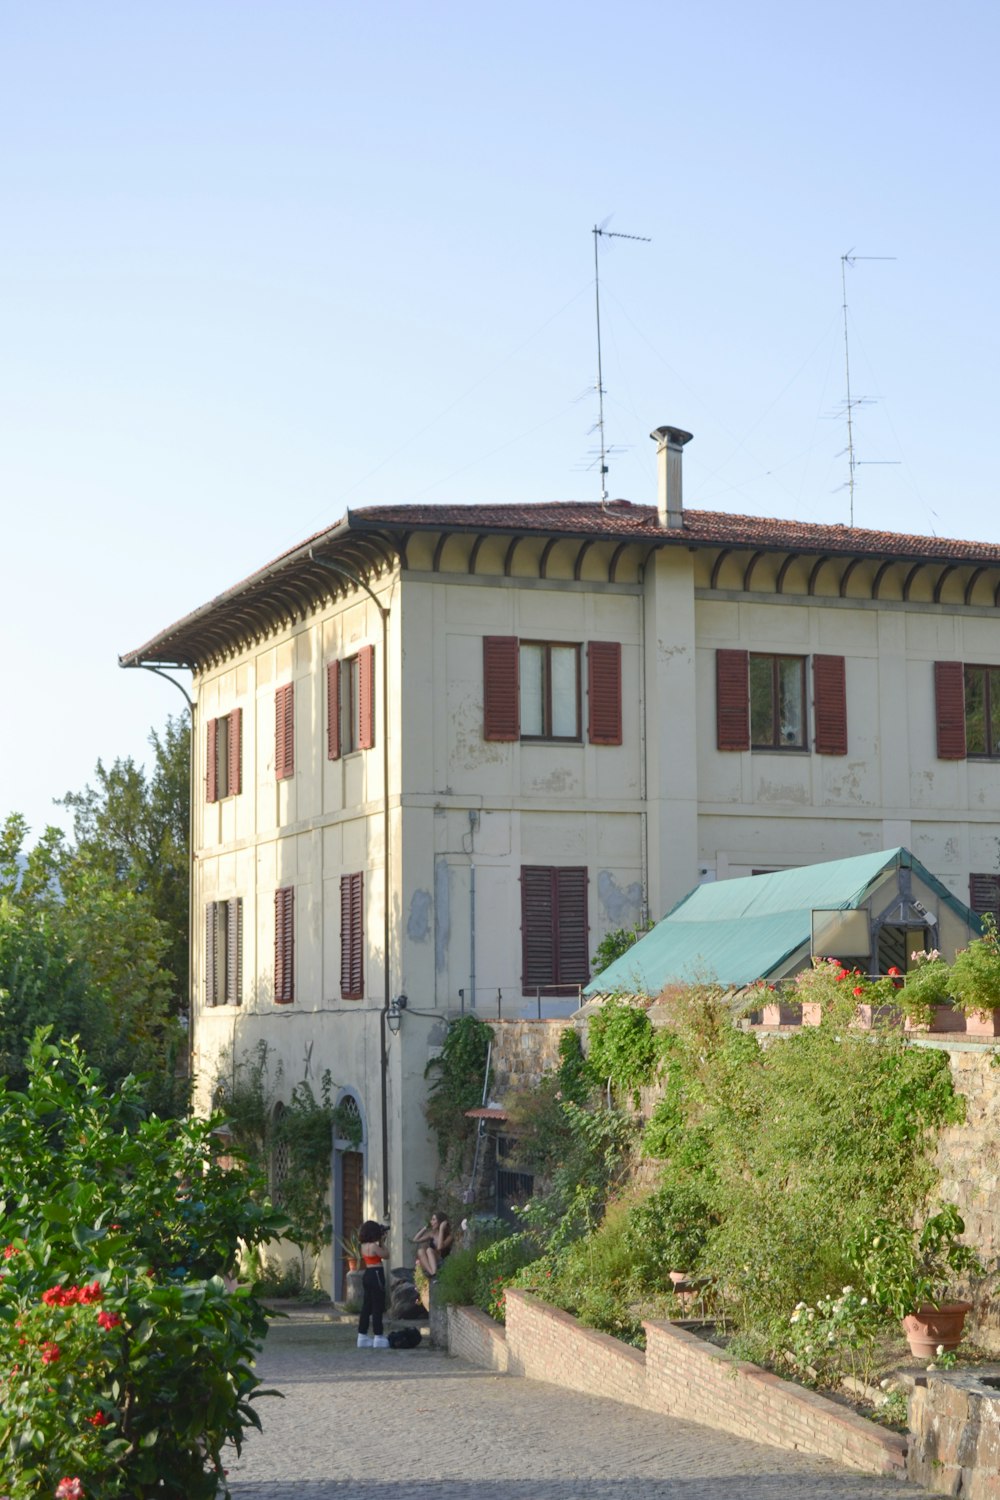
[
  {"x": 378, "y": 1342},
  {"x": 364, "y": 1341}
]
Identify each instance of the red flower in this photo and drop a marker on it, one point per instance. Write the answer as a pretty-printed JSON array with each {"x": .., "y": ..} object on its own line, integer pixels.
[
  {"x": 98, "y": 1419},
  {"x": 50, "y": 1353},
  {"x": 91, "y": 1293},
  {"x": 70, "y": 1489},
  {"x": 859, "y": 989},
  {"x": 9, "y": 1250},
  {"x": 108, "y": 1320},
  {"x": 893, "y": 969}
]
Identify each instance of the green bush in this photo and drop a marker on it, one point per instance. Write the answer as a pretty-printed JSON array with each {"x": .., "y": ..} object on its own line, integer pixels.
[{"x": 129, "y": 1360}]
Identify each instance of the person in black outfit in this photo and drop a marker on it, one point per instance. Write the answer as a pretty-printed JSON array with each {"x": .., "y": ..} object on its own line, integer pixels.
[{"x": 373, "y": 1253}]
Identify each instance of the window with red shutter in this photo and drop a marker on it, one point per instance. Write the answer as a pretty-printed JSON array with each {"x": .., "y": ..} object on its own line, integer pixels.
[
  {"x": 224, "y": 756},
  {"x": 949, "y": 705},
  {"x": 234, "y": 757},
  {"x": 284, "y": 732},
  {"x": 984, "y": 895},
  {"x": 501, "y": 693},
  {"x": 554, "y": 929},
  {"x": 604, "y": 692},
  {"x": 982, "y": 712},
  {"x": 333, "y": 710},
  {"x": 352, "y": 933},
  {"x": 732, "y": 700},
  {"x": 366, "y": 698},
  {"x": 830, "y": 704},
  {"x": 284, "y": 945}
]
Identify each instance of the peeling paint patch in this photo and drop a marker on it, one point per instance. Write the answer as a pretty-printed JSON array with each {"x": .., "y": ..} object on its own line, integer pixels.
[
  {"x": 418, "y": 924},
  {"x": 442, "y": 912},
  {"x": 621, "y": 906}
]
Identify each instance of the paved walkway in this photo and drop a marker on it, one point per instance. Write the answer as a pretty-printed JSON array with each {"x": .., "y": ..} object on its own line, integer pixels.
[{"x": 418, "y": 1425}]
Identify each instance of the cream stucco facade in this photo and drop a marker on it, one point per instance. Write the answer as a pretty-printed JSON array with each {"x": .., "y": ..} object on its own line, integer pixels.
[{"x": 440, "y": 821}]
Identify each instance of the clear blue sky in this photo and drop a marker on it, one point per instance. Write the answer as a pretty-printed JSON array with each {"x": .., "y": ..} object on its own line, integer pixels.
[{"x": 262, "y": 261}]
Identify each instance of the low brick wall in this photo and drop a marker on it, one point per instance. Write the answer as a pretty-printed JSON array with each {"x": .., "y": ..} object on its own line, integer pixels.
[
  {"x": 678, "y": 1376},
  {"x": 545, "y": 1343},
  {"x": 475, "y": 1337}
]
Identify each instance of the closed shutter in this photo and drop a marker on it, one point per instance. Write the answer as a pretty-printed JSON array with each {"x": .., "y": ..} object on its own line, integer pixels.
[
  {"x": 352, "y": 978},
  {"x": 732, "y": 700},
  {"x": 830, "y": 698},
  {"x": 572, "y": 957},
  {"x": 949, "y": 704},
  {"x": 984, "y": 894},
  {"x": 284, "y": 732},
  {"x": 211, "y": 952},
  {"x": 333, "y": 710},
  {"x": 235, "y": 767},
  {"x": 366, "y": 697},
  {"x": 284, "y": 946},
  {"x": 501, "y": 702},
  {"x": 538, "y": 957},
  {"x": 211, "y": 761},
  {"x": 234, "y": 951},
  {"x": 604, "y": 692}
]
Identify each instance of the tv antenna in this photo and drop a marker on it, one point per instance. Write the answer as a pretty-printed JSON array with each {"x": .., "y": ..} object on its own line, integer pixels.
[
  {"x": 846, "y": 260},
  {"x": 601, "y": 231}
]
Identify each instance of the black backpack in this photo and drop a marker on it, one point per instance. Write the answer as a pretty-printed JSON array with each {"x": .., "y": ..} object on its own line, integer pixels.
[{"x": 404, "y": 1338}]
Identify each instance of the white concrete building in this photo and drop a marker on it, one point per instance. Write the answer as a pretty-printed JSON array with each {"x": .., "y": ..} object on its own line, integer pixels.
[{"x": 441, "y": 751}]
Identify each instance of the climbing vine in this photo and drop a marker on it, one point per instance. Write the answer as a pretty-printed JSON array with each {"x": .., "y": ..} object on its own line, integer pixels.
[{"x": 458, "y": 1075}]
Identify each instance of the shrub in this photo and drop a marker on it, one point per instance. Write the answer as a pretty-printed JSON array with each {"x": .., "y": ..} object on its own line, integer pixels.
[{"x": 129, "y": 1361}]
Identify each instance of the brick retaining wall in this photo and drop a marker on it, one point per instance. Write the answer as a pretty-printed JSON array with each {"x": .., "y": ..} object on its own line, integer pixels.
[{"x": 678, "y": 1376}]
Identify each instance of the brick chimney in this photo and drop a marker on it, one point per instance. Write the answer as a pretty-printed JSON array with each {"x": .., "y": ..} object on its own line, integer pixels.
[{"x": 670, "y": 497}]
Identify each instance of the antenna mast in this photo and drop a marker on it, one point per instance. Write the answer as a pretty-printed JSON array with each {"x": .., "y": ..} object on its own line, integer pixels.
[
  {"x": 600, "y": 230},
  {"x": 846, "y": 260}
]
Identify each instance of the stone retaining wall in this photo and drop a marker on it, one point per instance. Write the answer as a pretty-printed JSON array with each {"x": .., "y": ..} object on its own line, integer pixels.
[
  {"x": 955, "y": 1434},
  {"x": 523, "y": 1052},
  {"x": 679, "y": 1376}
]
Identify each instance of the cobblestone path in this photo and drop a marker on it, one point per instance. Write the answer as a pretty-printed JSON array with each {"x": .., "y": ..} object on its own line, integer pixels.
[{"x": 415, "y": 1424}]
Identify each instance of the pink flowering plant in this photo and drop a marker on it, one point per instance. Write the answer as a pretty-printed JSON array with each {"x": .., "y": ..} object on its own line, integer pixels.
[{"x": 127, "y": 1357}]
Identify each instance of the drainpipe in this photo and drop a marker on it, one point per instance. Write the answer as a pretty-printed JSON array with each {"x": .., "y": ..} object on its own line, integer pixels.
[
  {"x": 148, "y": 667},
  {"x": 352, "y": 577}
]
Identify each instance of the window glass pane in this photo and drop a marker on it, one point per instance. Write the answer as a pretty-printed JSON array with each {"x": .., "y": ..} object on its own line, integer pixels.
[
  {"x": 994, "y": 747},
  {"x": 975, "y": 711},
  {"x": 222, "y": 756},
  {"x": 761, "y": 701},
  {"x": 562, "y": 665},
  {"x": 790, "y": 700},
  {"x": 532, "y": 660}
]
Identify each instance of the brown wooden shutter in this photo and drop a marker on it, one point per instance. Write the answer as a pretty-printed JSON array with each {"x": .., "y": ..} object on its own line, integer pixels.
[
  {"x": 604, "y": 692},
  {"x": 366, "y": 697},
  {"x": 284, "y": 732},
  {"x": 234, "y": 951},
  {"x": 235, "y": 767},
  {"x": 538, "y": 957},
  {"x": 333, "y": 710},
  {"x": 984, "y": 894},
  {"x": 352, "y": 931},
  {"x": 830, "y": 700},
  {"x": 732, "y": 700},
  {"x": 284, "y": 946},
  {"x": 949, "y": 702},
  {"x": 211, "y": 762},
  {"x": 571, "y": 938},
  {"x": 501, "y": 688},
  {"x": 211, "y": 952}
]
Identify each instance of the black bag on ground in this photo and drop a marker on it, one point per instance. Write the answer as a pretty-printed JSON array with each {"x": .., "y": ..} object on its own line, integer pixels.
[{"x": 404, "y": 1338}]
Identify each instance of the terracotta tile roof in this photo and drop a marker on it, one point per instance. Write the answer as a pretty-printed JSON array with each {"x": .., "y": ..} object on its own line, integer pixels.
[{"x": 622, "y": 520}]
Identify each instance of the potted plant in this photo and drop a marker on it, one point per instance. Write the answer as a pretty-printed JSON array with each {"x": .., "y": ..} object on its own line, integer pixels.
[
  {"x": 975, "y": 982},
  {"x": 819, "y": 988},
  {"x": 925, "y": 997},
  {"x": 350, "y": 1247},
  {"x": 912, "y": 1277}
]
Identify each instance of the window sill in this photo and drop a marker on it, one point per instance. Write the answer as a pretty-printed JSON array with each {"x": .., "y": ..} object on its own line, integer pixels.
[{"x": 780, "y": 750}]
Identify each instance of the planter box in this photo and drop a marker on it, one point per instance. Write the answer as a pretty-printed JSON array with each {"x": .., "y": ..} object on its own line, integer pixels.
[
  {"x": 982, "y": 1022},
  {"x": 867, "y": 1016},
  {"x": 812, "y": 1013},
  {"x": 780, "y": 1013},
  {"x": 943, "y": 1018}
]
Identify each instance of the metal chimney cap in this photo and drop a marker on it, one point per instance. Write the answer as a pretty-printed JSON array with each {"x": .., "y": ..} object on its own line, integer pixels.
[{"x": 673, "y": 435}]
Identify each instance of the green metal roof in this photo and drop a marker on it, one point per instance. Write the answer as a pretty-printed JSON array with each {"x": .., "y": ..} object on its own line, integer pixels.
[{"x": 734, "y": 932}]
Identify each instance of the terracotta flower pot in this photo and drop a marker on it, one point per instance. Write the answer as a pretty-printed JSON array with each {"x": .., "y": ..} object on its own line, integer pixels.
[
  {"x": 866, "y": 1016},
  {"x": 932, "y": 1328},
  {"x": 982, "y": 1022},
  {"x": 943, "y": 1018},
  {"x": 812, "y": 1013},
  {"x": 780, "y": 1013}
]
